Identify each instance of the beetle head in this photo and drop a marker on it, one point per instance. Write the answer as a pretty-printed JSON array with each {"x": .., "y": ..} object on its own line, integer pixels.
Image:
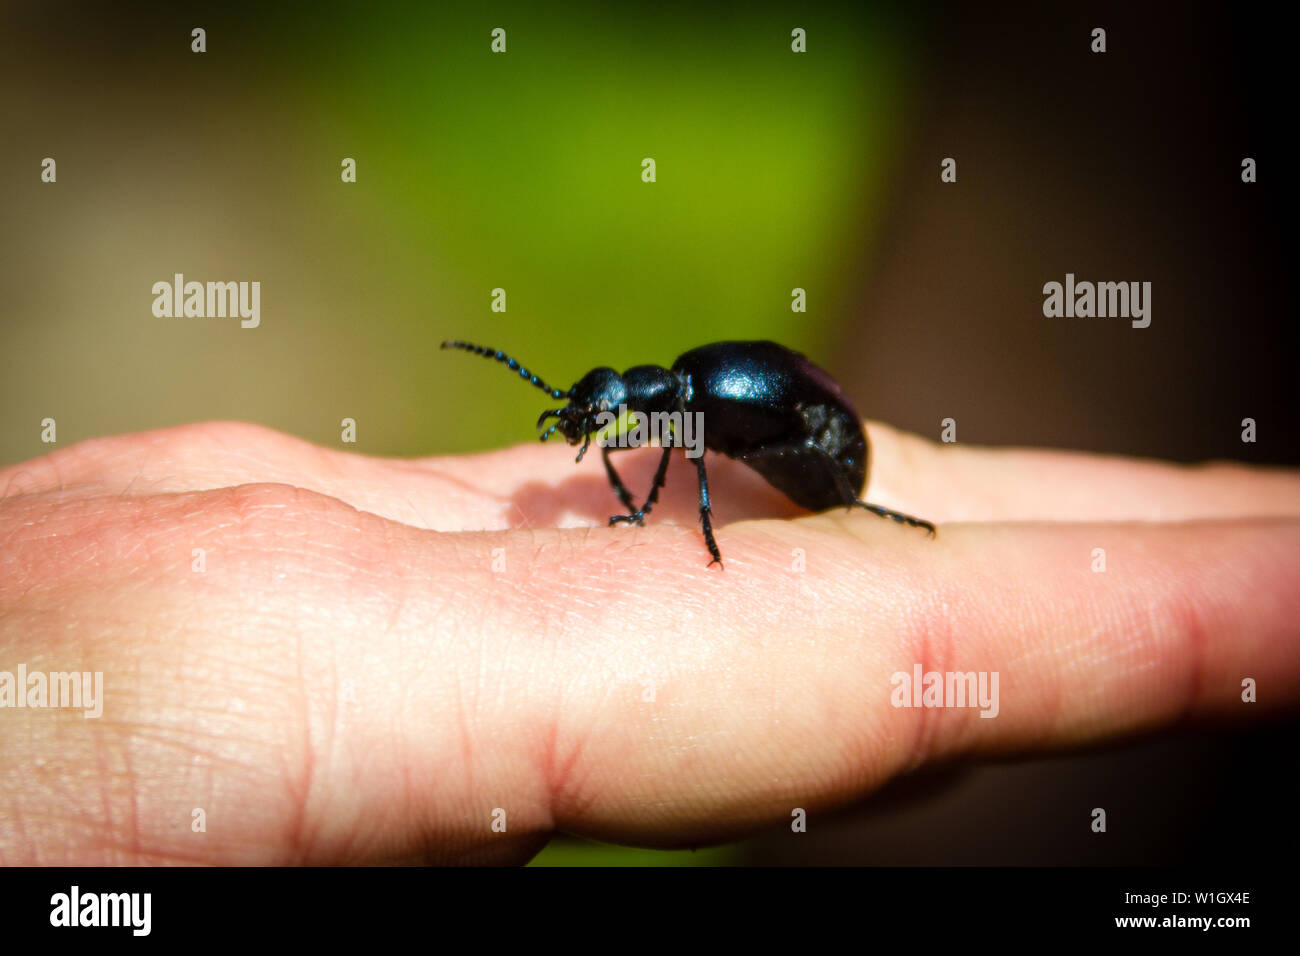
[{"x": 600, "y": 390}]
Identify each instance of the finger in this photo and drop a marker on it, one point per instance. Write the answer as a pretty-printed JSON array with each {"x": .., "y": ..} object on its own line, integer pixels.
[
  {"x": 603, "y": 680},
  {"x": 974, "y": 483},
  {"x": 538, "y": 485},
  {"x": 774, "y": 689}
]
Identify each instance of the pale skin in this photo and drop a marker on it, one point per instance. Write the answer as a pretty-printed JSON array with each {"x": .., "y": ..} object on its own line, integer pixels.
[{"x": 362, "y": 673}]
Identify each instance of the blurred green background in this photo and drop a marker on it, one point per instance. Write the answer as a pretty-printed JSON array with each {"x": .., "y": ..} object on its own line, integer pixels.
[{"x": 475, "y": 171}]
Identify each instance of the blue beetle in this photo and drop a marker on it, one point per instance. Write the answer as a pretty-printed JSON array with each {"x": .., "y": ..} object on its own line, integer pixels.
[{"x": 762, "y": 404}]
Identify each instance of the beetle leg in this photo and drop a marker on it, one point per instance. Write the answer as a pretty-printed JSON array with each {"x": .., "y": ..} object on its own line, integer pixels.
[
  {"x": 896, "y": 515},
  {"x": 616, "y": 482},
  {"x": 851, "y": 499},
  {"x": 661, "y": 475},
  {"x": 705, "y": 512}
]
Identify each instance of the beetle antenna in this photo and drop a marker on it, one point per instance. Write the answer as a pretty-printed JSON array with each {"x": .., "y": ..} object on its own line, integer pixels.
[{"x": 508, "y": 362}]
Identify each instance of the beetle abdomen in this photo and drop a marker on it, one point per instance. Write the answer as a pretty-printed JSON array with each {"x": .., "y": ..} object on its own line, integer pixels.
[{"x": 772, "y": 408}]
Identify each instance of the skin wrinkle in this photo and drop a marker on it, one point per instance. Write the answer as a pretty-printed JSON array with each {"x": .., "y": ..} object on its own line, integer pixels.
[
  {"x": 132, "y": 788},
  {"x": 301, "y": 782},
  {"x": 465, "y": 716},
  {"x": 933, "y": 654},
  {"x": 105, "y": 828},
  {"x": 333, "y": 703},
  {"x": 1219, "y": 588},
  {"x": 563, "y": 784},
  {"x": 257, "y": 780},
  {"x": 100, "y": 747},
  {"x": 13, "y": 486},
  {"x": 161, "y": 737},
  {"x": 1189, "y": 616}
]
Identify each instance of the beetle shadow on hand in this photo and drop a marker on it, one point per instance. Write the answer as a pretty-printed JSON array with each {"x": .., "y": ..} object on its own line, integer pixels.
[{"x": 736, "y": 492}]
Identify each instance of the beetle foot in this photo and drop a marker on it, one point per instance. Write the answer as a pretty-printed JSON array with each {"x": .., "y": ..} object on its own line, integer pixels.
[{"x": 636, "y": 518}]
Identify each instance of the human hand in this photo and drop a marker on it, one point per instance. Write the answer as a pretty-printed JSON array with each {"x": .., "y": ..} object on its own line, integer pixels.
[{"x": 361, "y": 673}]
